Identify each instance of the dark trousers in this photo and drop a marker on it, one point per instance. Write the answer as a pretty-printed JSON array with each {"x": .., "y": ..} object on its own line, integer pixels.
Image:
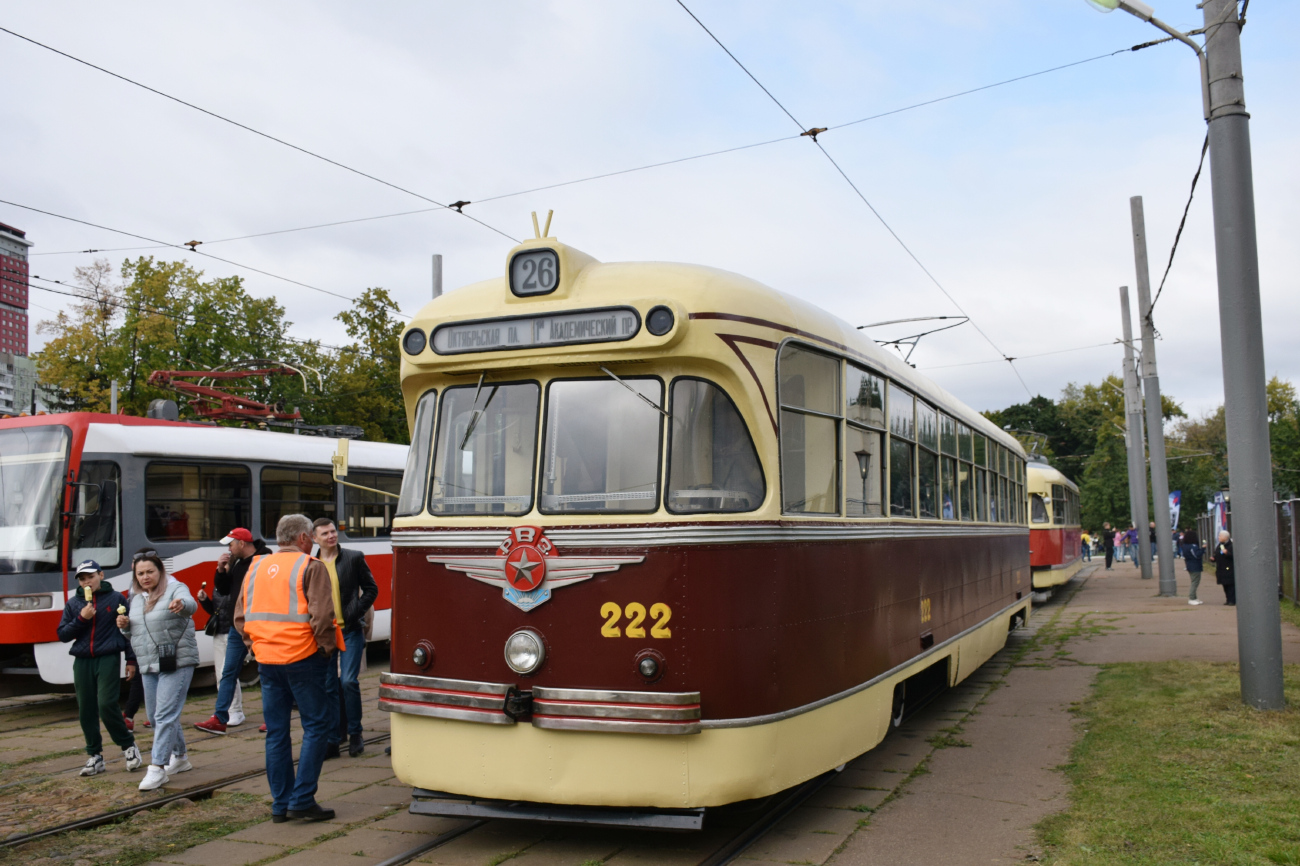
[
  {"x": 1230, "y": 592},
  {"x": 303, "y": 683},
  {"x": 235, "y": 652},
  {"x": 1110, "y": 556},
  {"x": 98, "y": 682},
  {"x": 134, "y": 698}
]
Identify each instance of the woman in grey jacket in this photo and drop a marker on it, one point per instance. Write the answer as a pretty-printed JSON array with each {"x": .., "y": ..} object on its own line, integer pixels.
[{"x": 161, "y": 629}]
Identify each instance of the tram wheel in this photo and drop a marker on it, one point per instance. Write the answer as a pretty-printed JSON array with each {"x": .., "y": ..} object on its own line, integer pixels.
[{"x": 896, "y": 713}]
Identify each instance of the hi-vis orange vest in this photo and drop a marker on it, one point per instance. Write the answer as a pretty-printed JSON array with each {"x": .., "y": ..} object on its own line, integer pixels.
[{"x": 275, "y": 609}]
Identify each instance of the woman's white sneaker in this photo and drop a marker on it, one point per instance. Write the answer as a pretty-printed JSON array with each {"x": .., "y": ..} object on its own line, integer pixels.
[
  {"x": 235, "y": 721},
  {"x": 133, "y": 759},
  {"x": 178, "y": 764},
  {"x": 1195, "y": 601},
  {"x": 94, "y": 766},
  {"x": 155, "y": 778}
]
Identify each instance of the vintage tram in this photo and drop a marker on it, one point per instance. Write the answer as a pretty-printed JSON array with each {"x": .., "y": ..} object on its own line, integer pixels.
[
  {"x": 1055, "y": 532},
  {"x": 670, "y": 539},
  {"x": 96, "y": 486}
]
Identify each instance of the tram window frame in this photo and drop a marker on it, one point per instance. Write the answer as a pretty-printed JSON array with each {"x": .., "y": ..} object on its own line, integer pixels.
[
  {"x": 372, "y": 478},
  {"x": 1058, "y": 505},
  {"x": 927, "y": 461},
  {"x": 215, "y": 528},
  {"x": 301, "y": 506},
  {"x": 1038, "y": 509},
  {"x": 672, "y": 432},
  {"x": 965, "y": 490},
  {"x": 419, "y": 461},
  {"x": 107, "y": 556},
  {"x": 807, "y": 416},
  {"x": 866, "y": 421},
  {"x": 443, "y": 509},
  {"x": 902, "y": 435},
  {"x": 544, "y": 411}
]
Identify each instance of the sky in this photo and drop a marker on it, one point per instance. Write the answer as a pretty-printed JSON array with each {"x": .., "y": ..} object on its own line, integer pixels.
[{"x": 1015, "y": 198}]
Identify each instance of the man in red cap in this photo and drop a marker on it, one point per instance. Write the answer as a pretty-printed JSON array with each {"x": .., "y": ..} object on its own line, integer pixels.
[{"x": 228, "y": 648}]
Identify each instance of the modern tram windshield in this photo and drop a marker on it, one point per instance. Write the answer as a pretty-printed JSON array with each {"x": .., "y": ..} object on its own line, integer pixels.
[{"x": 32, "y": 466}]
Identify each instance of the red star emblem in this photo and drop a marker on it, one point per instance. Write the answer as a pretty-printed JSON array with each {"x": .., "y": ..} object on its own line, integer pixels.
[{"x": 525, "y": 568}]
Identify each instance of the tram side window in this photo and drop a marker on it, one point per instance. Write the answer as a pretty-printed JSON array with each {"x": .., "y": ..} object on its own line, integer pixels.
[
  {"x": 367, "y": 514},
  {"x": 483, "y": 458},
  {"x": 927, "y": 461},
  {"x": 1058, "y": 504},
  {"x": 864, "y": 461},
  {"x": 965, "y": 473},
  {"x": 809, "y": 392},
  {"x": 712, "y": 463},
  {"x": 196, "y": 502},
  {"x": 1038, "y": 508},
  {"x": 902, "y": 452},
  {"x": 96, "y": 536},
  {"x": 602, "y": 446},
  {"x": 949, "y": 507},
  {"x": 288, "y": 490},
  {"x": 415, "y": 479}
]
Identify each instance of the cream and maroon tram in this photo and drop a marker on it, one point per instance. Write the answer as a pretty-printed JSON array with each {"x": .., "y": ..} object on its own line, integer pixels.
[
  {"x": 670, "y": 539},
  {"x": 1055, "y": 533}
]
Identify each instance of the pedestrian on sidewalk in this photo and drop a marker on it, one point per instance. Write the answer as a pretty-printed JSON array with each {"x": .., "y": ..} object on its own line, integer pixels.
[
  {"x": 285, "y": 611},
  {"x": 1224, "y": 574},
  {"x": 1131, "y": 542},
  {"x": 1108, "y": 543},
  {"x": 97, "y": 648},
  {"x": 1085, "y": 542},
  {"x": 228, "y": 649},
  {"x": 1152, "y": 538},
  {"x": 1192, "y": 553},
  {"x": 355, "y": 592},
  {"x": 160, "y": 625}
]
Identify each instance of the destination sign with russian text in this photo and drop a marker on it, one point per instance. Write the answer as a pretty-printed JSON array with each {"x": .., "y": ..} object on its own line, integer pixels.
[{"x": 526, "y": 332}]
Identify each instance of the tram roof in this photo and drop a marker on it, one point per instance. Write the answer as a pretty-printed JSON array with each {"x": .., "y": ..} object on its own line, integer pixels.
[
  {"x": 698, "y": 291},
  {"x": 1049, "y": 474}
]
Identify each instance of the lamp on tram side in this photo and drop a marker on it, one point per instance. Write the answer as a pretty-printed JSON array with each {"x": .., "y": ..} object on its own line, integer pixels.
[{"x": 864, "y": 466}]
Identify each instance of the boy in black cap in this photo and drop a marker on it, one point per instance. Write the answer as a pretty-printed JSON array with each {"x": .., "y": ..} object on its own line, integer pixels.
[{"x": 90, "y": 622}]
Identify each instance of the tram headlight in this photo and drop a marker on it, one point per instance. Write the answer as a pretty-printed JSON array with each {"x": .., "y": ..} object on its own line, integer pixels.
[
  {"x": 660, "y": 321},
  {"x": 414, "y": 341},
  {"x": 525, "y": 651},
  {"x": 16, "y": 603}
]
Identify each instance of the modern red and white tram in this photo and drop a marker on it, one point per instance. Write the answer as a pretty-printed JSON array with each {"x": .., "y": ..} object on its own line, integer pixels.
[
  {"x": 178, "y": 487},
  {"x": 1055, "y": 531},
  {"x": 671, "y": 539}
]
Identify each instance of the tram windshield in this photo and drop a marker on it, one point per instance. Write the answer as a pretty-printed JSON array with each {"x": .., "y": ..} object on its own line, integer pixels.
[
  {"x": 486, "y": 440},
  {"x": 602, "y": 446},
  {"x": 32, "y": 465}
]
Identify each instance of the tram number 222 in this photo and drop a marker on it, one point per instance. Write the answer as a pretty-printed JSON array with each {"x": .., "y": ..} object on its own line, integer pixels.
[{"x": 635, "y": 613}]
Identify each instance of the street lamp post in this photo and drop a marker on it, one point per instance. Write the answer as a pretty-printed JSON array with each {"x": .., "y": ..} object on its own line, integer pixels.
[{"x": 1241, "y": 333}]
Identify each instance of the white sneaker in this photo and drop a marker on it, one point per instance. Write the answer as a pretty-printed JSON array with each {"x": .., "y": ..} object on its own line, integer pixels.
[
  {"x": 155, "y": 778},
  {"x": 133, "y": 759},
  {"x": 94, "y": 766},
  {"x": 1195, "y": 601},
  {"x": 235, "y": 721},
  {"x": 178, "y": 764}
]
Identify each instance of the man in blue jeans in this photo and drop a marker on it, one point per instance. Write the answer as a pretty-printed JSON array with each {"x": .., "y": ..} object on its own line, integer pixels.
[
  {"x": 228, "y": 647},
  {"x": 285, "y": 610},
  {"x": 357, "y": 591}
]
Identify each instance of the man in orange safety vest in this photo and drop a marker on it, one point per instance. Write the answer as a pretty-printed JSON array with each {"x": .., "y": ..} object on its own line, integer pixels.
[{"x": 285, "y": 611}]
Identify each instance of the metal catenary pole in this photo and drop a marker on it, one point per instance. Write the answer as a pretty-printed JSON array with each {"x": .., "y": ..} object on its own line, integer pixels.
[
  {"x": 1155, "y": 410},
  {"x": 1137, "y": 469},
  {"x": 1241, "y": 334}
]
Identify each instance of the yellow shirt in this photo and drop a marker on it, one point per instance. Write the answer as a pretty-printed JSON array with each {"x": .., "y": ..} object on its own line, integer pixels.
[{"x": 334, "y": 585}]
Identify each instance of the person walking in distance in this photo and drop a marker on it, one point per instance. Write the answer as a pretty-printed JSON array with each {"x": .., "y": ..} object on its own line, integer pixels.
[
  {"x": 1152, "y": 539},
  {"x": 1224, "y": 575},
  {"x": 1108, "y": 544},
  {"x": 285, "y": 611},
  {"x": 160, "y": 625},
  {"x": 228, "y": 649},
  {"x": 355, "y": 593},
  {"x": 1190, "y": 545},
  {"x": 97, "y": 646},
  {"x": 1085, "y": 547}
]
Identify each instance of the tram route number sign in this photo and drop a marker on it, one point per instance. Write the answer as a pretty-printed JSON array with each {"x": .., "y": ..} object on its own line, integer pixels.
[{"x": 610, "y": 324}]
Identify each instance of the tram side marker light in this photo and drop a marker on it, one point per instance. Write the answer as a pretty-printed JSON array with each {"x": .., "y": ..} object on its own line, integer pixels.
[
  {"x": 422, "y": 657},
  {"x": 660, "y": 321}
]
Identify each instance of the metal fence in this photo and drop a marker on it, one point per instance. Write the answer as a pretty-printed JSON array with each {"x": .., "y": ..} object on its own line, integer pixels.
[{"x": 1288, "y": 549}]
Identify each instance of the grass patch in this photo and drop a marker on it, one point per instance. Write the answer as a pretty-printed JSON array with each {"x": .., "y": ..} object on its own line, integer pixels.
[
  {"x": 1173, "y": 768},
  {"x": 1290, "y": 613}
]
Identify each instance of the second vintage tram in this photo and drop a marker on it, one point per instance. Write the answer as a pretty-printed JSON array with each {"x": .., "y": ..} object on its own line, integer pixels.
[
  {"x": 1055, "y": 532},
  {"x": 670, "y": 539}
]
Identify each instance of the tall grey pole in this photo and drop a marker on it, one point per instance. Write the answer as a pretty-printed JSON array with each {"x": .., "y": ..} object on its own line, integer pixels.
[
  {"x": 1137, "y": 463},
  {"x": 1241, "y": 336},
  {"x": 1155, "y": 410},
  {"x": 437, "y": 275}
]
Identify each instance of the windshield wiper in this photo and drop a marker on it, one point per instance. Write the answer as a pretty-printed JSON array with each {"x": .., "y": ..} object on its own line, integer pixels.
[
  {"x": 653, "y": 405},
  {"x": 478, "y": 413}
]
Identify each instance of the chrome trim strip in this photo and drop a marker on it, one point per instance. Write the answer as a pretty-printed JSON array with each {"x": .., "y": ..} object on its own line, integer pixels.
[
  {"x": 442, "y": 699},
  {"x": 557, "y": 709},
  {"x": 541, "y": 693},
  {"x": 671, "y": 535},
  {"x": 786, "y": 714},
  {"x": 390, "y": 706},
  {"x": 391, "y": 679},
  {"x": 616, "y": 726}
]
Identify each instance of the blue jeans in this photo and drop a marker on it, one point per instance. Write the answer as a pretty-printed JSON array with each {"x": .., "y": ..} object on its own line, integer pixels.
[
  {"x": 235, "y": 652},
  {"x": 349, "y": 674},
  {"x": 164, "y": 698},
  {"x": 302, "y": 682}
]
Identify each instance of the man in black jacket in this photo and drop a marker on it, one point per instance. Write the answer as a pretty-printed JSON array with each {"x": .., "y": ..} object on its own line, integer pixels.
[
  {"x": 90, "y": 622},
  {"x": 357, "y": 592},
  {"x": 228, "y": 647}
]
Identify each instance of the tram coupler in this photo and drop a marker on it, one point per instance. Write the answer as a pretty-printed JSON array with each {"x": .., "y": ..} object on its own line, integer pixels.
[{"x": 518, "y": 704}]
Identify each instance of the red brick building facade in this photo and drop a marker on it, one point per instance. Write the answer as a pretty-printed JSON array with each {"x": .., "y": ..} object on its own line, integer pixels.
[{"x": 13, "y": 290}]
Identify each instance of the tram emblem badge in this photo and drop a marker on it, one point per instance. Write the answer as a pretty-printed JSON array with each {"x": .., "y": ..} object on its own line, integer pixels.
[{"x": 527, "y": 567}]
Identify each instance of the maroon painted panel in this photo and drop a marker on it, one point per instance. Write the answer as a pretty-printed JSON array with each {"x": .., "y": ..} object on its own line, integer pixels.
[{"x": 756, "y": 628}]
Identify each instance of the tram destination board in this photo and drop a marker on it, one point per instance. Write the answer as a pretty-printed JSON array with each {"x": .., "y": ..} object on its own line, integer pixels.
[{"x": 606, "y": 325}]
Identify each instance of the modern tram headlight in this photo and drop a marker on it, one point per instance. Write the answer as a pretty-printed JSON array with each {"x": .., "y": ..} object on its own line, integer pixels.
[
  {"x": 525, "y": 651},
  {"x": 414, "y": 341},
  {"x": 16, "y": 603}
]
